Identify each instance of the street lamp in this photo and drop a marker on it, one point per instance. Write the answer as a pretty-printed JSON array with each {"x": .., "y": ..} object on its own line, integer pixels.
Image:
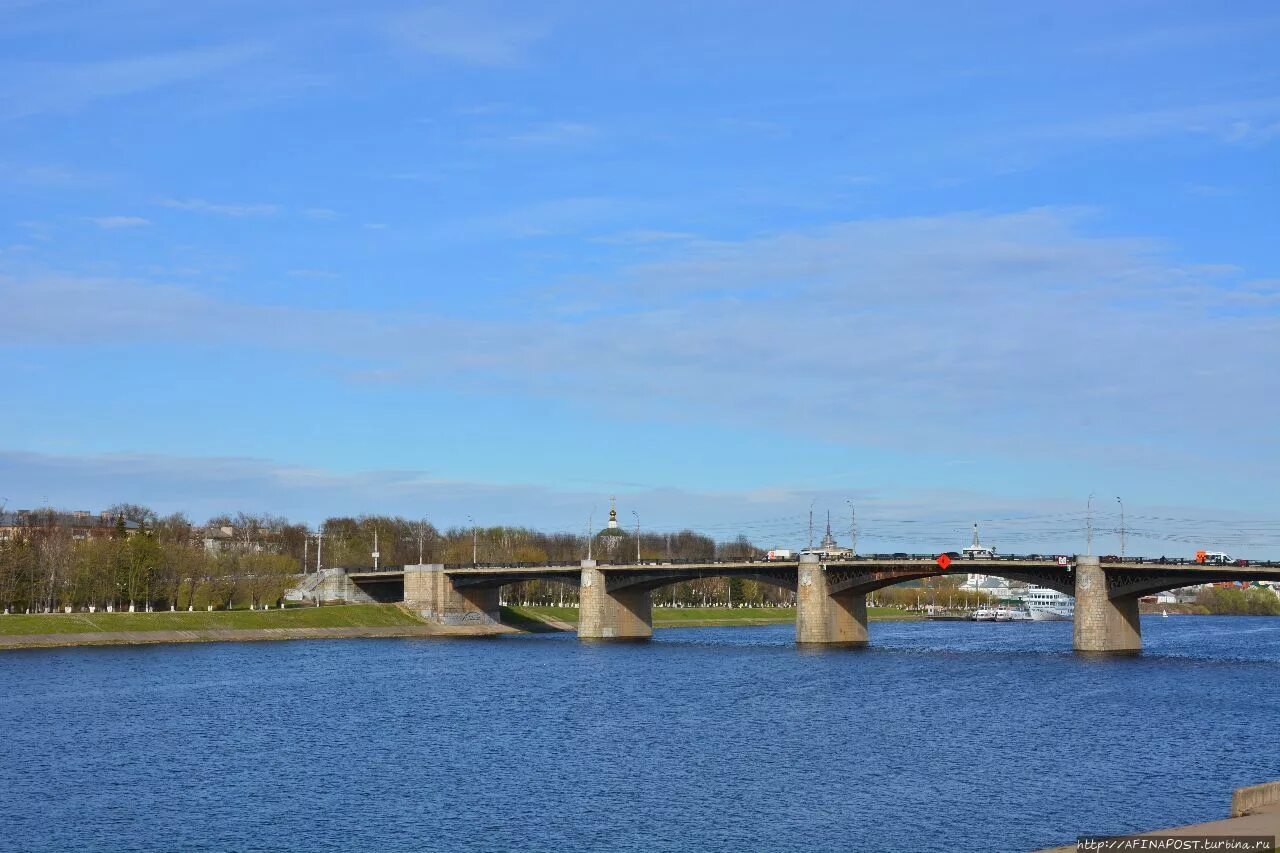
[
  {"x": 475, "y": 541},
  {"x": 1121, "y": 528},
  {"x": 422, "y": 533},
  {"x": 1088, "y": 526},
  {"x": 853, "y": 527},
  {"x": 637, "y": 515}
]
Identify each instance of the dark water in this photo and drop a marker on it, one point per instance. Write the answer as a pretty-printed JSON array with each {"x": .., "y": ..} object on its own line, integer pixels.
[{"x": 947, "y": 736}]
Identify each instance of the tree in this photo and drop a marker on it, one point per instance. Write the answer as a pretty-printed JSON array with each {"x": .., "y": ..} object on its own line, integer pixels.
[{"x": 144, "y": 516}]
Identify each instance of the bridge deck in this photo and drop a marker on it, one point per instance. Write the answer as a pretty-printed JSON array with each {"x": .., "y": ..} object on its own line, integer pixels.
[{"x": 910, "y": 565}]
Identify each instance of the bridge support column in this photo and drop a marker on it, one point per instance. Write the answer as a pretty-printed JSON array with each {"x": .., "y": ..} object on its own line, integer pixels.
[
  {"x": 625, "y": 614},
  {"x": 431, "y": 593},
  {"x": 823, "y": 618},
  {"x": 1103, "y": 624}
]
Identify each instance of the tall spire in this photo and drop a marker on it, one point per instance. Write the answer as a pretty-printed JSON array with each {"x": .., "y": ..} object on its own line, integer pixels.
[
  {"x": 828, "y": 541},
  {"x": 613, "y": 513}
]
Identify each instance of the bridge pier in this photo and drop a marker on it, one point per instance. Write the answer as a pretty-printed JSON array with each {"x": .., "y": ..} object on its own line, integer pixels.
[
  {"x": 624, "y": 614},
  {"x": 1103, "y": 624},
  {"x": 432, "y": 594},
  {"x": 823, "y": 618}
]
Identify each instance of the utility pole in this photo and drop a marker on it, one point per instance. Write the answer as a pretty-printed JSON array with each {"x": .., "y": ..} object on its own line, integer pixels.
[
  {"x": 853, "y": 527},
  {"x": 475, "y": 542},
  {"x": 1088, "y": 526},
  {"x": 319, "y": 548},
  {"x": 811, "y": 503},
  {"x": 1121, "y": 528},
  {"x": 422, "y": 532},
  {"x": 591, "y": 523},
  {"x": 376, "y": 553},
  {"x": 637, "y": 515},
  {"x": 306, "y": 542}
]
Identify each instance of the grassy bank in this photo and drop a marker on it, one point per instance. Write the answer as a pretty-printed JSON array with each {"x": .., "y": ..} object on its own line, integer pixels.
[
  {"x": 536, "y": 618},
  {"x": 344, "y": 616}
]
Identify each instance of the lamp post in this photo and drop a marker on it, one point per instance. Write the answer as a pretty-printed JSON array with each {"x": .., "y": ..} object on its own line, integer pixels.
[
  {"x": 811, "y": 503},
  {"x": 1121, "y": 528},
  {"x": 422, "y": 533},
  {"x": 475, "y": 542},
  {"x": 853, "y": 528},
  {"x": 637, "y": 515},
  {"x": 1088, "y": 526}
]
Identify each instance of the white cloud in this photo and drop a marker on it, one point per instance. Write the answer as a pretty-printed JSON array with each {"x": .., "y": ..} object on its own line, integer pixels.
[
  {"x": 114, "y": 222},
  {"x": 29, "y": 88},
  {"x": 555, "y": 133},
  {"x": 200, "y": 205},
  {"x": 967, "y": 334},
  {"x": 1249, "y": 121},
  {"x": 466, "y": 34}
]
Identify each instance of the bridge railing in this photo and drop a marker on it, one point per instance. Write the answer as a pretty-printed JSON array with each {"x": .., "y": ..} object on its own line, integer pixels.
[{"x": 958, "y": 561}]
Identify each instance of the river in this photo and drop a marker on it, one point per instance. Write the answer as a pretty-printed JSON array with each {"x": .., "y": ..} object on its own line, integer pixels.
[{"x": 955, "y": 736}]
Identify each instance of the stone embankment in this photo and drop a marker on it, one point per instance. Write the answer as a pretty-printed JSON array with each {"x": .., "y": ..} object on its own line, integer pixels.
[{"x": 1255, "y": 812}]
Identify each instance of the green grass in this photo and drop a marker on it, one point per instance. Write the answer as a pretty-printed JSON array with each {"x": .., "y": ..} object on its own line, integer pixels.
[
  {"x": 338, "y": 616},
  {"x": 534, "y": 618}
]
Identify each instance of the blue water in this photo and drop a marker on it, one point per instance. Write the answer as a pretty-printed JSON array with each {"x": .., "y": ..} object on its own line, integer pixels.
[{"x": 955, "y": 736}]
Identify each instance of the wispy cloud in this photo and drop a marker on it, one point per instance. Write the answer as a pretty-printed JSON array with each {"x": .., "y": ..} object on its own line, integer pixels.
[
  {"x": 955, "y": 332},
  {"x": 29, "y": 88},
  {"x": 115, "y": 222},
  {"x": 554, "y": 133},
  {"x": 1241, "y": 121},
  {"x": 200, "y": 205},
  {"x": 1202, "y": 33},
  {"x": 467, "y": 34},
  {"x": 47, "y": 175}
]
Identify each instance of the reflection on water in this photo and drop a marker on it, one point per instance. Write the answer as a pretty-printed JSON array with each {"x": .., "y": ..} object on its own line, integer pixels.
[{"x": 955, "y": 736}]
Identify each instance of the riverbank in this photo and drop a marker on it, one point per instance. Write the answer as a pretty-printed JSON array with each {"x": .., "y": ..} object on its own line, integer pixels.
[
  {"x": 47, "y": 630},
  {"x": 301, "y": 623}
]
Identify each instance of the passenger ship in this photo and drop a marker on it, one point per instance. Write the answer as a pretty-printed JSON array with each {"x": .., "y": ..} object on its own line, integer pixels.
[{"x": 1049, "y": 605}]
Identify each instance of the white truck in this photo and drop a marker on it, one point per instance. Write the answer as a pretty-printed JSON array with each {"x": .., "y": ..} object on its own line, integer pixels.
[{"x": 778, "y": 554}]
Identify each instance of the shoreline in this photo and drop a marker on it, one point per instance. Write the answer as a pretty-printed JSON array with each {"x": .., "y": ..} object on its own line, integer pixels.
[
  {"x": 515, "y": 621},
  {"x": 243, "y": 635}
]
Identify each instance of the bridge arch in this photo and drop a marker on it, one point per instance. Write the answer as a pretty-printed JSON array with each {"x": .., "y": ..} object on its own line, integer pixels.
[
  {"x": 662, "y": 577},
  {"x": 1124, "y": 584},
  {"x": 851, "y": 579}
]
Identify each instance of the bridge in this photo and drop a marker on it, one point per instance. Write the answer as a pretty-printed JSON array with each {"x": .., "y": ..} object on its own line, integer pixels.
[{"x": 615, "y": 601}]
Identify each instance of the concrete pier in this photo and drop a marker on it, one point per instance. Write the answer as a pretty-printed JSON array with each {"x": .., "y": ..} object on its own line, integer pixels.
[
  {"x": 624, "y": 614},
  {"x": 431, "y": 593},
  {"x": 1103, "y": 624},
  {"x": 823, "y": 618}
]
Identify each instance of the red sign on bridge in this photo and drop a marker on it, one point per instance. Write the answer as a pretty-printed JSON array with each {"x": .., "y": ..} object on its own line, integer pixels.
[{"x": 943, "y": 562}]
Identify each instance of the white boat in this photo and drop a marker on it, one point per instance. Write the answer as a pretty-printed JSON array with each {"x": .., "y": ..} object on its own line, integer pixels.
[
  {"x": 1164, "y": 613},
  {"x": 984, "y": 615},
  {"x": 1049, "y": 605}
]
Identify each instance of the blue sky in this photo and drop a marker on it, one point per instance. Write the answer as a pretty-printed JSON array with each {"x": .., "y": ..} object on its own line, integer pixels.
[{"x": 504, "y": 259}]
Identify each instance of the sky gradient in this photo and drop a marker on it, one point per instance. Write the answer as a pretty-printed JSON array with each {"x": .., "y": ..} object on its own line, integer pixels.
[{"x": 728, "y": 261}]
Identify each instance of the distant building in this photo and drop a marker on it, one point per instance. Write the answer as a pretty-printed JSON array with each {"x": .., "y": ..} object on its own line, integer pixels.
[
  {"x": 828, "y": 548},
  {"x": 224, "y": 537},
  {"x": 81, "y": 524}
]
